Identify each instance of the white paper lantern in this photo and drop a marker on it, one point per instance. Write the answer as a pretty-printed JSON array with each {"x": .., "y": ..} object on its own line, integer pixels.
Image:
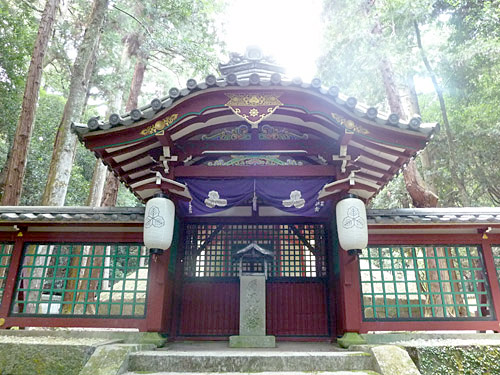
[
  {"x": 159, "y": 224},
  {"x": 352, "y": 225}
]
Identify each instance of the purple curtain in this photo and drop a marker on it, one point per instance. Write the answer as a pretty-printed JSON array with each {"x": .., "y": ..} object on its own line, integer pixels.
[
  {"x": 214, "y": 195},
  {"x": 297, "y": 196}
]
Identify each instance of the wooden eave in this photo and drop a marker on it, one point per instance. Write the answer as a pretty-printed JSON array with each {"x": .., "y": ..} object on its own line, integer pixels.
[{"x": 365, "y": 151}]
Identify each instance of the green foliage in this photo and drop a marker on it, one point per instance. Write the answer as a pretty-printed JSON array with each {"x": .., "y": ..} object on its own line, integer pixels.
[
  {"x": 18, "y": 28},
  {"x": 40, "y": 152},
  {"x": 126, "y": 198},
  {"x": 39, "y": 156},
  {"x": 462, "y": 41},
  {"x": 177, "y": 38}
]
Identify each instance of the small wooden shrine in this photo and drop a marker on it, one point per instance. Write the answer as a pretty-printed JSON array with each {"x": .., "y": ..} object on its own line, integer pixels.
[{"x": 254, "y": 157}]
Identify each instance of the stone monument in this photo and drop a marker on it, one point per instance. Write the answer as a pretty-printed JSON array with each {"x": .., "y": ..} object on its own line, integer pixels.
[{"x": 253, "y": 269}]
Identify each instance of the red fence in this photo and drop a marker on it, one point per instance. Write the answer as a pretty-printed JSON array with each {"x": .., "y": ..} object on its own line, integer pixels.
[
  {"x": 477, "y": 285},
  {"x": 69, "y": 279},
  {"x": 305, "y": 307}
]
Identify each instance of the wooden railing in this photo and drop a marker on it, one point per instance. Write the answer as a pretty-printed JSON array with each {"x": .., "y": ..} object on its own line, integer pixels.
[
  {"x": 422, "y": 282},
  {"x": 74, "y": 279}
]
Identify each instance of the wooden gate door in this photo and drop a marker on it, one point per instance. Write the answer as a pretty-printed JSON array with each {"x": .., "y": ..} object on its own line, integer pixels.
[{"x": 296, "y": 291}]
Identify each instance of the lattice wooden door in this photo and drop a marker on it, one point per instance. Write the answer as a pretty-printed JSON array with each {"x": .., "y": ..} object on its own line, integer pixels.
[{"x": 296, "y": 291}]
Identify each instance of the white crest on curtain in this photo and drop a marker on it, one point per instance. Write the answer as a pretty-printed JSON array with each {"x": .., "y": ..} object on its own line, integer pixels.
[
  {"x": 295, "y": 200},
  {"x": 214, "y": 200}
]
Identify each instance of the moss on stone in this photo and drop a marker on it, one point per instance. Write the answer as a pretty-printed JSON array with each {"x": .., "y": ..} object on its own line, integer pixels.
[
  {"x": 23, "y": 359},
  {"x": 457, "y": 360},
  {"x": 351, "y": 338}
]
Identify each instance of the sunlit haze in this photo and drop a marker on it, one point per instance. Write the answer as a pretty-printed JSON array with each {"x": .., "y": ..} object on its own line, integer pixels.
[{"x": 288, "y": 30}]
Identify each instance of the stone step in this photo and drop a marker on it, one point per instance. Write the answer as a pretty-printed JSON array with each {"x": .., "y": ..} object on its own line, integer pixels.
[
  {"x": 356, "y": 372},
  {"x": 247, "y": 362}
]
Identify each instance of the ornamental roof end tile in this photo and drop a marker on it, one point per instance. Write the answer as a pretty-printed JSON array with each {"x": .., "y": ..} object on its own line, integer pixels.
[{"x": 252, "y": 68}]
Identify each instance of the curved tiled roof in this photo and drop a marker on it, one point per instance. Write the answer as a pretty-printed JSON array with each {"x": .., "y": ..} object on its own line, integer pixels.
[
  {"x": 409, "y": 216},
  {"x": 152, "y": 146},
  {"x": 245, "y": 71}
]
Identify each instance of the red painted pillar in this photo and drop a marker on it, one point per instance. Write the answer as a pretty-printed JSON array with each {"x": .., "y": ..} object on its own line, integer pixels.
[
  {"x": 491, "y": 274},
  {"x": 350, "y": 291},
  {"x": 10, "y": 285},
  {"x": 161, "y": 286},
  {"x": 156, "y": 313}
]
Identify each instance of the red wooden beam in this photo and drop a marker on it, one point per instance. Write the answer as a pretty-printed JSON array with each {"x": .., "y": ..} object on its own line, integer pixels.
[
  {"x": 10, "y": 285},
  {"x": 157, "y": 293},
  {"x": 423, "y": 239},
  {"x": 256, "y": 171},
  {"x": 380, "y": 147},
  {"x": 135, "y": 158},
  {"x": 413, "y": 140},
  {"x": 350, "y": 291},
  {"x": 142, "y": 168},
  {"x": 386, "y": 173},
  {"x": 164, "y": 186},
  {"x": 355, "y": 152},
  {"x": 491, "y": 275},
  {"x": 148, "y": 142},
  {"x": 366, "y": 176},
  {"x": 347, "y": 186}
]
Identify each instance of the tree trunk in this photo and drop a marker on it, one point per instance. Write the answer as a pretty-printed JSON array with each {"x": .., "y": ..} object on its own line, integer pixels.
[
  {"x": 18, "y": 156},
  {"x": 135, "y": 87},
  {"x": 97, "y": 185},
  {"x": 104, "y": 187},
  {"x": 452, "y": 165},
  {"x": 391, "y": 89},
  {"x": 65, "y": 143},
  {"x": 112, "y": 183},
  {"x": 420, "y": 194},
  {"x": 110, "y": 194}
]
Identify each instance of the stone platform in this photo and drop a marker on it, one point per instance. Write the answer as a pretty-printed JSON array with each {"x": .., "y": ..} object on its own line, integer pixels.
[{"x": 216, "y": 357}]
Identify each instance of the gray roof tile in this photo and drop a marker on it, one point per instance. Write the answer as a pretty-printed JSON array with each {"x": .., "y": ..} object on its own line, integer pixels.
[{"x": 409, "y": 216}]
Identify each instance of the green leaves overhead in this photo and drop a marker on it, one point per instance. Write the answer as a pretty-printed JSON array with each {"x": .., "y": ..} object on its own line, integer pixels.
[
  {"x": 462, "y": 43},
  {"x": 177, "y": 39}
]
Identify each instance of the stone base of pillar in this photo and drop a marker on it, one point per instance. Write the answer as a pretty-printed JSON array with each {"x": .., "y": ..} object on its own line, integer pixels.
[
  {"x": 351, "y": 338},
  {"x": 252, "y": 342}
]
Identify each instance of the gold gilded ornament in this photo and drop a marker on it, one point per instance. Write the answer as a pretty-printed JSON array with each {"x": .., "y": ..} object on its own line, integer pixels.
[
  {"x": 349, "y": 124},
  {"x": 158, "y": 127},
  {"x": 253, "y": 107}
]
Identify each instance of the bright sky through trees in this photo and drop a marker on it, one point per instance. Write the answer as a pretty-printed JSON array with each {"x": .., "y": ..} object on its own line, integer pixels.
[{"x": 288, "y": 30}]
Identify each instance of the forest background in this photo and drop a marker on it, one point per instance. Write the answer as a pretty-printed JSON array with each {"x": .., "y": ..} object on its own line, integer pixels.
[{"x": 80, "y": 55}]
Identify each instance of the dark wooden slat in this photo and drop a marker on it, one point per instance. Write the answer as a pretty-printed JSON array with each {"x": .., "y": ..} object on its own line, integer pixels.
[{"x": 313, "y": 147}]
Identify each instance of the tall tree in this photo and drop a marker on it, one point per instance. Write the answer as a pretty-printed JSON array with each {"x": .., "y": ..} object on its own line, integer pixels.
[
  {"x": 18, "y": 31},
  {"x": 461, "y": 43},
  {"x": 16, "y": 164},
  {"x": 64, "y": 147},
  {"x": 166, "y": 36}
]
